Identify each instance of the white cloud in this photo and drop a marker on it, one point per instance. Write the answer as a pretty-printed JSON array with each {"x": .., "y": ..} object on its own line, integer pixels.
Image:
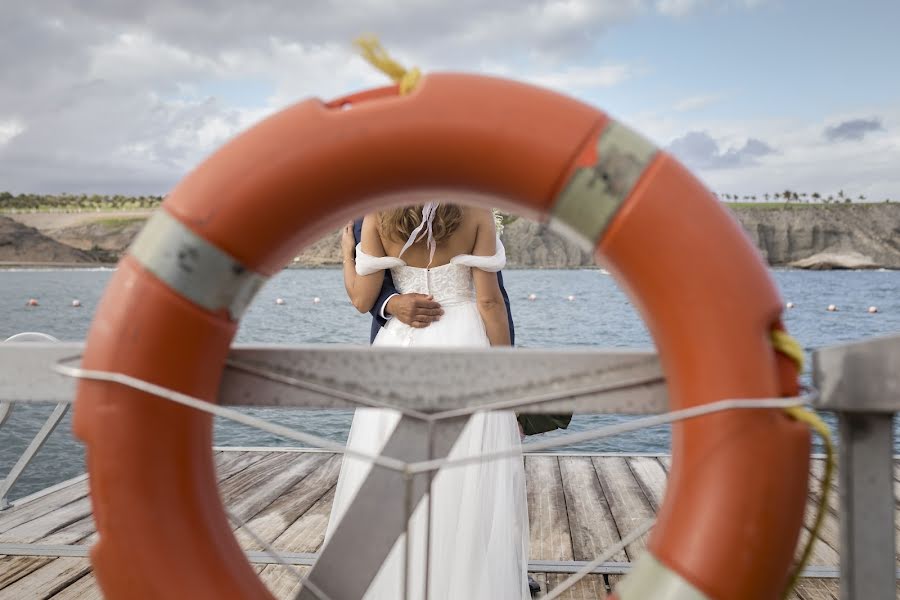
[
  {"x": 126, "y": 97},
  {"x": 697, "y": 102},
  {"x": 103, "y": 94},
  {"x": 804, "y": 160},
  {"x": 699, "y": 149},
  {"x": 678, "y": 8},
  {"x": 681, "y": 8},
  {"x": 10, "y": 128},
  {"x": 578, "y": 78}
]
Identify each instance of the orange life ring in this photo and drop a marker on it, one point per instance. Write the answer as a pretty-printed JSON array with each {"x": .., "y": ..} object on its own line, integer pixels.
[{"x": 737, "y": 487}]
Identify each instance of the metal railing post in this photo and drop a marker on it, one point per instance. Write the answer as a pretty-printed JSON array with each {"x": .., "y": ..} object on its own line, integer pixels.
[
  {"x": 860, "y": 383},
  {"x": 866, "y": 484},
  {"x": 40, "y": 437},
  {"x": 5, "y": 411},
  {"x": 37, "y": 442}
]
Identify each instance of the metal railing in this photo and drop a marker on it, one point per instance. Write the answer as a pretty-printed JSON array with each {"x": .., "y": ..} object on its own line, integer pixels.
[
  {"x": 860, "y": 382},
  {"x": 37, "y": 442}
]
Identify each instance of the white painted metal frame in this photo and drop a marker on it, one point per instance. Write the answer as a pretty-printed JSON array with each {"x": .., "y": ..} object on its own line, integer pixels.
[
  {"x": 860, "y": 382},
  {"x": 40, "y": 438}
]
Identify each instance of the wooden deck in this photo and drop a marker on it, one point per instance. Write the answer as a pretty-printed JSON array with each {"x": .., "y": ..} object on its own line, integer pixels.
[{"x": 578, "y": 504}]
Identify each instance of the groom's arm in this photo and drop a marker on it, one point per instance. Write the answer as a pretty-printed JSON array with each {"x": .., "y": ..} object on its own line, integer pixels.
[
  {"x": 512, "y": 329},
  {"x": 380, "y": 311},
  {"x": 416, "y": 310},
  {"x": 387, "y": 287}
]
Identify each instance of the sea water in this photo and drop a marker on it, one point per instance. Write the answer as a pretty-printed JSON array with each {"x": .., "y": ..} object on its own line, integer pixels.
[{"x": 598, "y": 315}]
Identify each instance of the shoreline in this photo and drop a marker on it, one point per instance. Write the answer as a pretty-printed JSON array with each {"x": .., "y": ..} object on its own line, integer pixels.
[
  {"x": 85, "y": 266},
  {"x": 813, "y": 237}
]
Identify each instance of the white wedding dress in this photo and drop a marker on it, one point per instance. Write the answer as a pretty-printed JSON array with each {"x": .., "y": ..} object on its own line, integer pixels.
[{"x": 479, "y": 526}]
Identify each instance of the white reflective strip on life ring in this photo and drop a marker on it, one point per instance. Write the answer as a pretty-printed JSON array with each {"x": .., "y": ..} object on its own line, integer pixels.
[{"x": 652, "y": 579}]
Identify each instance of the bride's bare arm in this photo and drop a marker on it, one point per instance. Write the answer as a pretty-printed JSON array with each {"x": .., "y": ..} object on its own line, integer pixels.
[
  {"x": 487, "y": 288},
  {"x": 362, "y": 289}
]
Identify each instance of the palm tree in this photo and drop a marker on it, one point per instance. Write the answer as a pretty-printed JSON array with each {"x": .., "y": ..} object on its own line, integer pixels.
[
  {"x": 816, "y": 196},
  {"x": 862, "y": 198}
]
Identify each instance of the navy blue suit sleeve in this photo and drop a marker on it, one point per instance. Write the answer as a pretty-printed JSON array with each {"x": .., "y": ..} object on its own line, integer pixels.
[
  {"x": 512, "y": 329},
  {"x": 387, "y": 290}
]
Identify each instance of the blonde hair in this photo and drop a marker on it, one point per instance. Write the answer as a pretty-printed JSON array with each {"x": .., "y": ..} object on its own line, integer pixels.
[{"x": 398, "y": 223}]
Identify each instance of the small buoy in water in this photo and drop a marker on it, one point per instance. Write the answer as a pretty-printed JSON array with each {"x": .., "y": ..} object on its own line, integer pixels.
[
  {"x": 532, "y": 296},
  {"x": 296, "y": 259},
  {"x": 76, "y": 303},
  {"x": 790, "y": 305},
  {"x": 832, "y": 308},
  {"x": 570, "y": 298},
  {"x": 279, "y": 301},
  {"x": 316, "y": 300},
  {"x": 31, "y": 302},
  {"x": 873, "y": 309}
]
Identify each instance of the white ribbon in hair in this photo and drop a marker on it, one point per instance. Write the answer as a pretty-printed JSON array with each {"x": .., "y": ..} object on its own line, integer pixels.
[{"x": 428, "y": 213}]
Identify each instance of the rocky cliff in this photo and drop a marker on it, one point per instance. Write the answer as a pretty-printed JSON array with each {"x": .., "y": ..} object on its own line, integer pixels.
[
  {"x": 20, "y": 244},
  {"x": 802, "y": 236},
  {"x": 854, "y": 236}
]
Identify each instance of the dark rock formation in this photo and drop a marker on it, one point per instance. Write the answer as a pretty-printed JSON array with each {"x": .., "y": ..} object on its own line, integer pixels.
[
  {"x": 802, "y": 236},
  {"x": 22, "y": 244}
]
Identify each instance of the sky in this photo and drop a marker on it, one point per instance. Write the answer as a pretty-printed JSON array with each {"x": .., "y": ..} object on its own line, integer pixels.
[{"x": 755, "y": 96}]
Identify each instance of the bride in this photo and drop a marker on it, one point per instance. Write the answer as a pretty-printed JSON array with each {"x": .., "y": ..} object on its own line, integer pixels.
[{"x": 479, "y": 523}]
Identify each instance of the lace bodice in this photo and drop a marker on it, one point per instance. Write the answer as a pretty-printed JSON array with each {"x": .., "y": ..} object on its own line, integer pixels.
[{"x": 448, "y": 283}]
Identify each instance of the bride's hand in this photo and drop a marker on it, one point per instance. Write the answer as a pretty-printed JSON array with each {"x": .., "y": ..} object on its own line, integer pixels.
[{"x": 348, "y": 242}]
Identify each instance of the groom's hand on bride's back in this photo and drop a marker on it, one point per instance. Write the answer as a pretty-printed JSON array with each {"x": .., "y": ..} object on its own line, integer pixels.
[{"x": 416, "y": 310}]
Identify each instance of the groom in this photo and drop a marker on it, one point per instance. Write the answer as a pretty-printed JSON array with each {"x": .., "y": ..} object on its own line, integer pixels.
[{"x": 419, "y": 310}]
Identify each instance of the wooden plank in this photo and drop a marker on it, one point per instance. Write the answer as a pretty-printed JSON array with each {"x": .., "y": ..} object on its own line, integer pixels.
[
  {"x": 291, "y": 505},
  {"x": 78, "y": 532},
  {"x": 627, "y": 502},
  {"x": 591, "y": 587},
  {"x": 652, "y": 477},
  {"x": 307, "y": 533},
  {"x": 822, "y": 554},
  {"x": 29, "y": 511},
  {"x": 825, "y": 550},
  {"x": 547, "y": 516},
  {"x": 817, "y": 468},
  {"x": 281, "y": 581},
  {"x": 42, "y": 526},
  {"x": 261, "y": 484},
  {"x": 229, "y": 464},
  {"x": 817, "y": 589},
  {"x": 593, "y": 528},
  {"x": 47, "y": 580},
  {"x": 85, "y": 588},
  {"x": 896, "y": 490},
  {"x": 13, "y": 568}
]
